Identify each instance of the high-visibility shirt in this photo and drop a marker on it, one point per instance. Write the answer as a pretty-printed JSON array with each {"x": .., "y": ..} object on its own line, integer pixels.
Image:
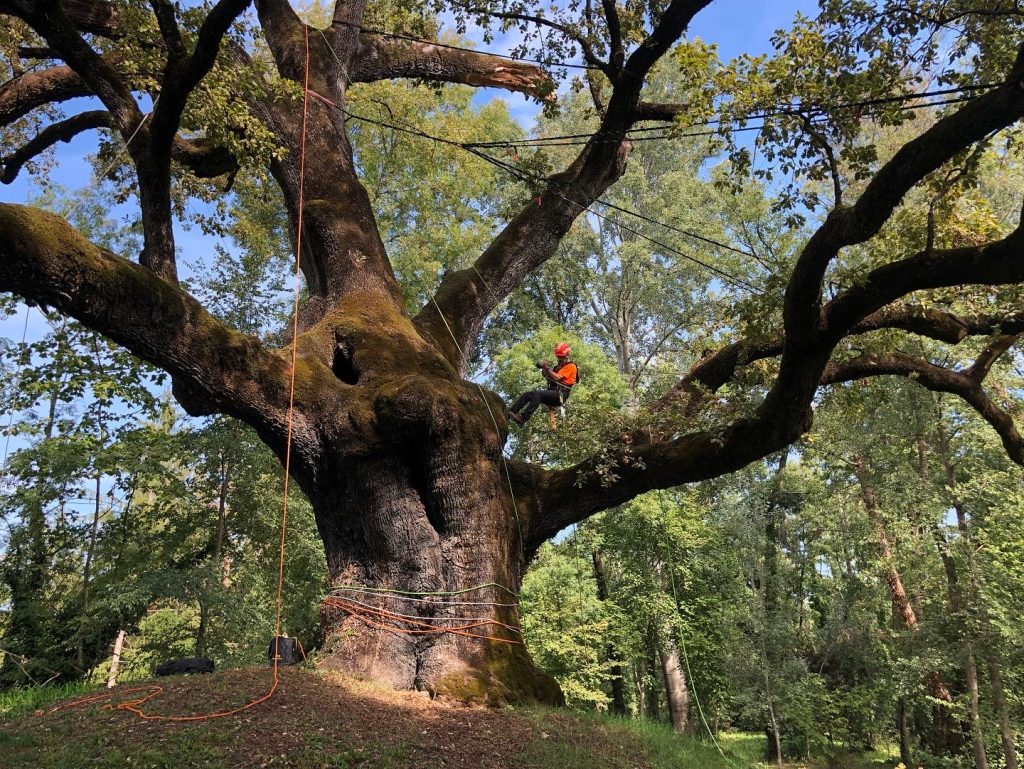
[{"x": 565, "y": 373}]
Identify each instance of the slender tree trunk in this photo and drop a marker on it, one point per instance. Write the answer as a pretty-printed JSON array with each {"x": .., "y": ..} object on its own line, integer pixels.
[
  {"x": 652, "y": 708},
  {"x": 977, "y": 736},
  {"x": 216, "y": 559},
  {"x": 618, "y": 692},
  {"x": 902, "y": 608},
  {"x": 943, "y": 737},
  {"x": 85, "y": 571},
  {"x": 775, "y": 737},
  {"x": 676, "y": 690},
  {"x": 962, "y": 622},
  {"x": 770, "y": 599},
  {"x": 906, "y": 755},
  {"x": 988, "y": 639}
]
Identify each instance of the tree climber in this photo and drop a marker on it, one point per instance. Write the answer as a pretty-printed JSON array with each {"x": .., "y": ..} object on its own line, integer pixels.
[{"x": 561, "y": 379}]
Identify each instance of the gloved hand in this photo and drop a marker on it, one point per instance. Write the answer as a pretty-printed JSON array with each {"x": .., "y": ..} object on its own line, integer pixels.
[{"x": 543, "y": 364}]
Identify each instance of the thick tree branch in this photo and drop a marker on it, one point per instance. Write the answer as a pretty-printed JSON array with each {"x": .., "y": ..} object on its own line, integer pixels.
[
  {"x": 97, "y": 17},
  {"x": 342, "y": 249},
  {"x": 586, "y": 48},
  {"x": 649, "y": 110},
  {"x": 50, "y": 22},
  {"x": 963, "y": 383},
  {"x": 202, "y": 158},
  {"x": 169, "y": 31},
  {"x": 641, "y": 465},
  {"x": 46, "y": 261},
  {"x": 564, "y": 497},
  {"x": 383, "y": 58},
  {"x": 996, "y": 263},
  {"x": 855, "y": 224},
  {"x": 716, "y": 368},
  {"x": 63, "y": 131},
  {"x": 465, "y": 298},
  {"x": 31, "y": 90},
  {"x": 617, "y": 54},
  {"x": 988, "y": 357}
]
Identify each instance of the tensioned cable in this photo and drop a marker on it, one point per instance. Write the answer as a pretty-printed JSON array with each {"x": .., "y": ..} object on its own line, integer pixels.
[
  {"x": 667, "y": 133},
  {"x": 524, "y": 176},
  {"x": 434, "y": 618},
  {"x": 816, "y": 113}
]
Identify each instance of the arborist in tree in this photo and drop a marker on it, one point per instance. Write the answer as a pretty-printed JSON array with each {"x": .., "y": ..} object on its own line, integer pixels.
[{"x": 562, "y": 377}]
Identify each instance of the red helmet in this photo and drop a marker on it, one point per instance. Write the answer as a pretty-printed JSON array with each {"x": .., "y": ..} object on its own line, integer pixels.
[{"x": 563, "y": 350}]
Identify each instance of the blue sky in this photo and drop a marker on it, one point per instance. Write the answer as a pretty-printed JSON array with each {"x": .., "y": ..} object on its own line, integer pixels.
[{"x": 736, "y": 26}]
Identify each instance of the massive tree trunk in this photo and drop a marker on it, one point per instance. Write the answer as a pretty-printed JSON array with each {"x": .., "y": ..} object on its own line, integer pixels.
[
  {"x": 436, "y": 523},
  {"x": 425, "y": 541}
]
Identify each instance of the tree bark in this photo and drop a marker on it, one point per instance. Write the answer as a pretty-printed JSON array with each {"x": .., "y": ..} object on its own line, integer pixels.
[
  {"x": 677, "y": 691},
  {"x": 436, "y": 523}
]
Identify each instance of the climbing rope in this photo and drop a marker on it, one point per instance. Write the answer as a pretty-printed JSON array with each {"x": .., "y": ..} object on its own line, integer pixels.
[
  {"x": 401, "y": 623},
  {"x": 682, "y": 641},
  {"x": 151, "y": 691}
]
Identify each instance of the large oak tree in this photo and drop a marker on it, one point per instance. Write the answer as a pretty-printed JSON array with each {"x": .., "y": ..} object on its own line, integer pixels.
[{"x": 401, "y": 456}]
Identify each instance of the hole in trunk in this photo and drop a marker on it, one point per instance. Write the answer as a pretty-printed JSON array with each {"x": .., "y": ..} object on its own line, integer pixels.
[
  {"x": 418, "y": 480},
  {"x": 342, "y": 366}
]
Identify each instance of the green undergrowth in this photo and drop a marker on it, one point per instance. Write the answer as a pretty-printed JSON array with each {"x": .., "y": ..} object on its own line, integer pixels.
[
  {"x": 26, "y": 699},
  {"x": 747, "y": 749},
  {"x": 581, "y": 741}
]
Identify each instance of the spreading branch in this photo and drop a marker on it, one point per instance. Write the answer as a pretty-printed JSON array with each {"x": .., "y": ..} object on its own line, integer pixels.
[
  {"x": 215, "y": 369},
  {"x": 31, "y": 90},
  {"x": 812, "y": 332},
  {"x": 455, "y": 316},
  {"x": 966, "y": 384},
  {"x": 383, "y": 58},
  {"x": 63, "y": 131}
]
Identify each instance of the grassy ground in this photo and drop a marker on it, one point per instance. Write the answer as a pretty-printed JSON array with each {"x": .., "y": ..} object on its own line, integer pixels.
[
  {"x": 747, "y": 749},
  {"x": 319, "y": 720}
]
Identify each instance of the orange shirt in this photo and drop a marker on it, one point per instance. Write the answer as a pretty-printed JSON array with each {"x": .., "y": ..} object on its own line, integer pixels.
[{"x": 565, "y": 374}]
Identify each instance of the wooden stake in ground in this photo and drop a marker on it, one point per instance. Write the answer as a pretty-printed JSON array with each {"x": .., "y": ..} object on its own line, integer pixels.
[{"x": 115, "y": 660}]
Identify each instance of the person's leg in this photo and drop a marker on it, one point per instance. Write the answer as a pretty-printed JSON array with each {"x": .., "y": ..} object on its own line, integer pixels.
[
  {"x": 521, "y": 401},
  {"x": 538, "y": 397}
]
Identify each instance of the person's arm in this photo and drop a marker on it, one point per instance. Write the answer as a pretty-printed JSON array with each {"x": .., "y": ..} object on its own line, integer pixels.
[{"x": 555, "y": 376}]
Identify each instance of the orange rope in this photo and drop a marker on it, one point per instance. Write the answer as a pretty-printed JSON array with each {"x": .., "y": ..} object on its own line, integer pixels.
[
  {"x": 366, "y": 614},
  {"x": 134, "y": 706},
  {"x": 342, "y": 604}
]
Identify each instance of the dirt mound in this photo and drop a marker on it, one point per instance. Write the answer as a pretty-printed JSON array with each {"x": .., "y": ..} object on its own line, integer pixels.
[{"x": 315, "y": 719}]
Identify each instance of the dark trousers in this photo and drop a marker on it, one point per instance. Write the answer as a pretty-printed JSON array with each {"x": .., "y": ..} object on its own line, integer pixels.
[{"x": 535, "y": 398}]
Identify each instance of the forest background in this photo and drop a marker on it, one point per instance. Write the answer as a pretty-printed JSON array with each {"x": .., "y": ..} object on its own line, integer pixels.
[{"x": 861, "y": 589}]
